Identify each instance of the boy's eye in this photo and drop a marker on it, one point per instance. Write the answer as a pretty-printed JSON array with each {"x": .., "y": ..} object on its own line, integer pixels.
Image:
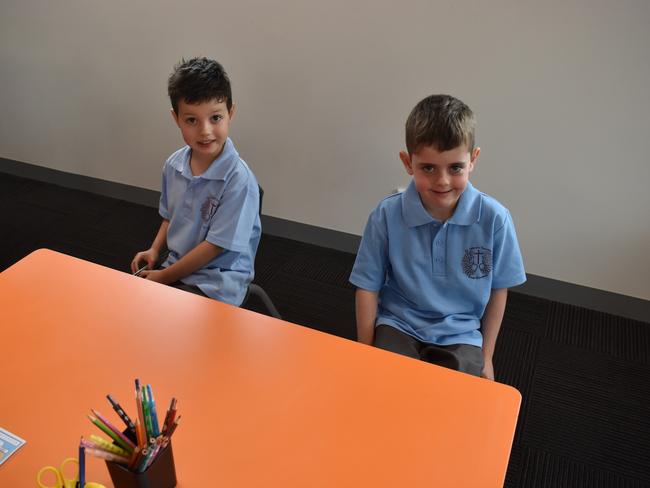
[
  {"x": 190, "y": 120},
  {"x": 456, "y": 169},
  {"x": 216, "y": 118},
  {"x": 428, "y": 169}
]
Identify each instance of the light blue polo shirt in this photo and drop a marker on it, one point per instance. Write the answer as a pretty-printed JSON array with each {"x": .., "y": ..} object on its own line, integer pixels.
[
  {"x": 220, "y": 206},
  {"x": 434, "y": 278}
]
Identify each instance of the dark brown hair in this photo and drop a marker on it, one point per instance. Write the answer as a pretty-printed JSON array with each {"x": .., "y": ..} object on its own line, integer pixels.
[
  {"x": 441, "y": 121},
  {"x": 199, "y": 80}
]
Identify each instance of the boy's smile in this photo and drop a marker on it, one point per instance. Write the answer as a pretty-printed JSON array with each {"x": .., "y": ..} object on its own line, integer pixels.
[
  {"x": 205, "y": 127},
  {"x": 440, "y": 176}
]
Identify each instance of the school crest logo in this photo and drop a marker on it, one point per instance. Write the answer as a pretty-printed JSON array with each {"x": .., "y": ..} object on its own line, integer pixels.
[
  {"x": 209, "y": 208},
  {"x": 477, "y": 262}
]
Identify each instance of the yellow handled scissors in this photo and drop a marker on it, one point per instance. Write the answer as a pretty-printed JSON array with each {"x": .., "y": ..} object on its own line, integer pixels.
[{"x": 60, "y": 480}]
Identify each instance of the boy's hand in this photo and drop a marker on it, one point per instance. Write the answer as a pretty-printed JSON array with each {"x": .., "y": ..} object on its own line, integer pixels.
[
  {"x": 156, "y": 275},
  {"x": 148, "y": 257},
  {"x": 488, "y": 370}
]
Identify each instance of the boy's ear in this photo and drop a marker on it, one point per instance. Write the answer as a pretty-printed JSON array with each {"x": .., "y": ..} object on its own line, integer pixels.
[
  {"x": 406, "y": 161},
  {"x": 231, "y": 112},
  {"x": 473, "y": 157},
  {"x": 174, "y": 116}
]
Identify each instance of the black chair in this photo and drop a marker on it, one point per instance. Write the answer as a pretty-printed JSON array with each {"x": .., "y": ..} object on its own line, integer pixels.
[{"x": 256, "y": 291}]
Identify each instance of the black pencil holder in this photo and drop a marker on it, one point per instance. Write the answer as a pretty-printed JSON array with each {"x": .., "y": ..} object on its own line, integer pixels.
[{"x": 161, "y": 473}]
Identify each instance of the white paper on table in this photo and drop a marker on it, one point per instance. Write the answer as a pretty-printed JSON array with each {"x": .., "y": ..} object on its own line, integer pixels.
[{"x": 9, "y": 443}]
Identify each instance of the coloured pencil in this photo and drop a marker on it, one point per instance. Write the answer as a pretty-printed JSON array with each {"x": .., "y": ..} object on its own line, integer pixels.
[
  {"x": 108, "y": 456},
  {"x": 146, "y": 455},
  {"x": 155, "y": 430},
  {"x": 117, "y": 431},
  {"x": 174, "y": 425},
  {"x": 147, "y": 414},
  {"x": 169, "y": 417},
  {"x": 164, "y": 425},
  {"x": 122, "y": 414},
  {"x": 138, "y": 400},
  {"x": 109, "y": 432},
  {"x": 136, "y": 458},
  {"x": 141, "y": 436},
  {"x": 102, "y": 443},
  {"x": 156, "y": 450},
  {"x": 82, "y": 464}
]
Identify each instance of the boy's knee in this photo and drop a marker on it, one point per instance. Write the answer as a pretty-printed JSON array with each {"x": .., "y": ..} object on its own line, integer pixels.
[
  {"x": 460, "y": 357},
  {"x": 391, "y": 339}
]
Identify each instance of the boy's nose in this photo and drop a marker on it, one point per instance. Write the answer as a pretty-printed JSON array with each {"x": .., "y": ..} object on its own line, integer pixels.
[{"x": 442, "y": 179}]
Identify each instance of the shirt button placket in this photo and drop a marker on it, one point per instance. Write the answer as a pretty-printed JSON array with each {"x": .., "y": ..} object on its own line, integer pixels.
[
  {"x": 434, "y": 255},
  {"x": 189, "y": 195},
  {"x": 435, "y": 251},
  {"x": 439, "y": 248}
]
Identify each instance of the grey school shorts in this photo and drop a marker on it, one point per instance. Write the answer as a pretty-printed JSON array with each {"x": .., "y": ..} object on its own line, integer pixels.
[
  {"x": 461, "y": 357},
  {"x": 190, "y": 288}
]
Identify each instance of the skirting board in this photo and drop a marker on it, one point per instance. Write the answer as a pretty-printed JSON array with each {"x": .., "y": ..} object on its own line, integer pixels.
[
  {"x": 97, "y": 186},
  {"x": 539, "y": 286}
]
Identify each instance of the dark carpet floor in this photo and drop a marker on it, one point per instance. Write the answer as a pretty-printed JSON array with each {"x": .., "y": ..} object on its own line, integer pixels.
[{"x": 584, "y": 375}]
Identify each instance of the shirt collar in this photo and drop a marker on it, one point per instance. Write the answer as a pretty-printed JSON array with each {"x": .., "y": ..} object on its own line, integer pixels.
[
  {"x": 413, "y": 212},
  {"x": 219, "y": 168},
  {"x": 467, "y": 211}
]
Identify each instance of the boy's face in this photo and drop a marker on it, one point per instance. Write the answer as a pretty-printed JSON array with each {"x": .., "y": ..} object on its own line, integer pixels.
[
  {"x": 440, "y": 177},
  {"x": 205, "y": 127}
]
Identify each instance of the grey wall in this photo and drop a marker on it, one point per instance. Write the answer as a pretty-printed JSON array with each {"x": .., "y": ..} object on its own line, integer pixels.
[{"x": 323, "y": 89}]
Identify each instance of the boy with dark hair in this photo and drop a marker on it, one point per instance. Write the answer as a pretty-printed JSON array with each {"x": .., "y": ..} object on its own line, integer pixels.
[
  {"x": 209, "y": 201},
  {"x": 436, "y": 261}
]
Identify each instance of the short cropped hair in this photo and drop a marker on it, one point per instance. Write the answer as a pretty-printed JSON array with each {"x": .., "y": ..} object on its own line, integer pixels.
[
  {"x": 441, "y": 121},
  {"x": 199, "y": 80}
]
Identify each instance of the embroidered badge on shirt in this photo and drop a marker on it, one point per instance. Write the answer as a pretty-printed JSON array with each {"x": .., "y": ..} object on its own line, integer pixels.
[
  {"x": 477, "y": 262},
  {"x": 209, "y": 208}
]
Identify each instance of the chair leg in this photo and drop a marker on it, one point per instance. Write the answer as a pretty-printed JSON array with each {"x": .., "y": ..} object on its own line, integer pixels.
[{"x": 259, "y": 292}]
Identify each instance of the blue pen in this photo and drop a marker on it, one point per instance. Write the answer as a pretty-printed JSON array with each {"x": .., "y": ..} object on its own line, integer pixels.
[
  {"x": 152, "y": 410},
  {"x": 82, "y": 465}
]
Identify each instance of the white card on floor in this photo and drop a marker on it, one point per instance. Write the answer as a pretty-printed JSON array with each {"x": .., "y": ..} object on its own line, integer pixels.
[{"x": 9, "y": 443}]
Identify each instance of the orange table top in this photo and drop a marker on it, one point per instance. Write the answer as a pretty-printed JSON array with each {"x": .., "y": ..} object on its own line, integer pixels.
[{"x": 264, "y": 402}]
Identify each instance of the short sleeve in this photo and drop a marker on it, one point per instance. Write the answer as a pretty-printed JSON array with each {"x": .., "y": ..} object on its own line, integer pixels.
[
  {"x": 162, "y": 206},
  {"x": 232, "y": 225},
  {"x": 508, "y": 266},
  {"x": 369, "y": 270}
]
